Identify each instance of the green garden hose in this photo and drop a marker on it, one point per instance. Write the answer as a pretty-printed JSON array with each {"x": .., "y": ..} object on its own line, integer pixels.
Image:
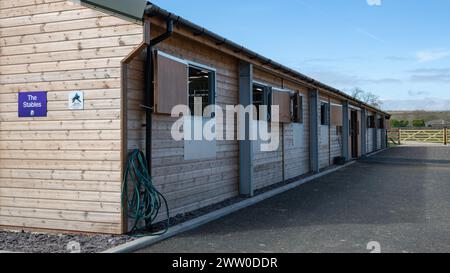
[{"x": 144, "y": 203}]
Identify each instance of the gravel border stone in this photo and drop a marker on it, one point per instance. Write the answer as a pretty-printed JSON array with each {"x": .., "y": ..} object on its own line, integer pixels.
[{"x": 33, "y": 242}]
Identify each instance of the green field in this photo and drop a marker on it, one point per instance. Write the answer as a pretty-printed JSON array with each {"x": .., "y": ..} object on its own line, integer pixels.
[{"x": 420, "y": 115}]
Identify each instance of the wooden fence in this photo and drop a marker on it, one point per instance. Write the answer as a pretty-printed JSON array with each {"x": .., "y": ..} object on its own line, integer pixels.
[{"x": 397, "y": 136}]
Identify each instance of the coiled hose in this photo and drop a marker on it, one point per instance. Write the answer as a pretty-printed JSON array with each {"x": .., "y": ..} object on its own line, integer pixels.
[{"x": 145, "y": 202}]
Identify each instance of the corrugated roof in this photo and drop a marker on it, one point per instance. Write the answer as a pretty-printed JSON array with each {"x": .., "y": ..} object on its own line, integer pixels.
[{"x": 154, "y": 10}]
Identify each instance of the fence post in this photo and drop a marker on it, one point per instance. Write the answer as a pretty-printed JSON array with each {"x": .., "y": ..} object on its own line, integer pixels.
[
  {"x": 399, "y": 136},
  {"x": 445, "y": 136}
]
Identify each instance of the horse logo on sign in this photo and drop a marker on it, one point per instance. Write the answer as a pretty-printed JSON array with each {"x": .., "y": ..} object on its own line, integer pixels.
[{"x": 76, "y": 100}]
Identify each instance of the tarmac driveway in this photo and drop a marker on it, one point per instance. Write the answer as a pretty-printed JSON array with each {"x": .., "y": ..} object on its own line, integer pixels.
[{"x": 399, "y": 198}]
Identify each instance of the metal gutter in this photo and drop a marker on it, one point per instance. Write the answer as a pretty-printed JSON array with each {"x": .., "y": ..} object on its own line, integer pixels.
[{"x": 153, "y": 10}]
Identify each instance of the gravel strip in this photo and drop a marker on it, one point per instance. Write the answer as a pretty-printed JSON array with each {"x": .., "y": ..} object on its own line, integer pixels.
[{"x": 27, "y": 242}]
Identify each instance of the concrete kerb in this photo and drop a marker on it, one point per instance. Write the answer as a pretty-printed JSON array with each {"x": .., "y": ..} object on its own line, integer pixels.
[{"x": 192, "y": 224}]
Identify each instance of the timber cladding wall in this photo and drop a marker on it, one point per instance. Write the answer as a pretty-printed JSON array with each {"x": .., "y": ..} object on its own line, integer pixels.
[
  {"x": 291, "y": 159},
  {"x": 62, "y": 171},
  {"x": 296, "y": 138},
  {"x": 336, "y": 139},
  {"x": 324, "y": 135},
  {"x": 187, "y": 184},
  {"x": 267, "y": 166}
]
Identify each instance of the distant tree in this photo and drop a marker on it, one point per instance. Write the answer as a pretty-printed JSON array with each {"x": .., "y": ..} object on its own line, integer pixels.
[
  {"x": 399, "y": 123},
  {"x": 394, "y": 123},
  {"x": 419, "y": 123},
  {"x": 366, "y": 96}
]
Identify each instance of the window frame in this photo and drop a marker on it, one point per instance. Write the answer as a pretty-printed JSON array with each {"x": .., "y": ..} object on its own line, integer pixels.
[
  {"x": 297, "y": 109},
  {"x": 381, "y": 123},
  {"x": 325, "y": 112},
  {"x": 213, "y": 82},
  {"x": 213, "y": 93},
  {"x": 267, "y": 99}
]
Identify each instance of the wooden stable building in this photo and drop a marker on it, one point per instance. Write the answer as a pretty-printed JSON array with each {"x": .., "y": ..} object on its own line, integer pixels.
[{"x": 63, "y": 170}]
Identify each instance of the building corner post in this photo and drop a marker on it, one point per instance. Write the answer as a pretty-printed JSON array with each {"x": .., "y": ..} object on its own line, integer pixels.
[
  {"x": 345, "y": 131},
  {"x": 384, "y": 133},
  {"x": 314, "y": 130},
  {"x": 363, "y": 132},
  {"x": 375, "y": 133},
  {"x": 246, "y": 146}
]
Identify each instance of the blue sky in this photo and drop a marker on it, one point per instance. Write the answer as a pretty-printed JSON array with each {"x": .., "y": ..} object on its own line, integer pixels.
[{"x": 397, "y": 49}]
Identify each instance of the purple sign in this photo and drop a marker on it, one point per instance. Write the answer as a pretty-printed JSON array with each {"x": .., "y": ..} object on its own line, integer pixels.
[{"x": 32, "y": 104}]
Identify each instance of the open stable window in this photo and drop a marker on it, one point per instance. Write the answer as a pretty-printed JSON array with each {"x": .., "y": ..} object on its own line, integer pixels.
[
  {"x": 202, "y": 87},
  {"x": 180, "y": 82},
  {"x": 171, "y": 83},
  {"x": 336, "y": 115},
  {"x": 325, "y": 113},
  {"x": 282, "y": 99},
  {"x": 381, "y": 123},
  {"x": 262, "y": 95},
  {"x": 296, "y": 108},
  {"x": 371, "y": 122}
]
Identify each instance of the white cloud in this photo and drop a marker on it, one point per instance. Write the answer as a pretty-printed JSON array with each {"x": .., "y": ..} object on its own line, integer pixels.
[
  {"x": 370, "y": 35},
  {"x": 413, "y": 93},
  {"x": 433, "y": 75},
  {"x": 432, "y": 55},
  {"x": 426, "y": 104},
  {"x": 374, "y": 2}
]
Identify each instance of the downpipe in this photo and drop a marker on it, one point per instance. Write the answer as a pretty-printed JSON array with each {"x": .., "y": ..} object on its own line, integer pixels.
[{"x": 150, "y": 90}]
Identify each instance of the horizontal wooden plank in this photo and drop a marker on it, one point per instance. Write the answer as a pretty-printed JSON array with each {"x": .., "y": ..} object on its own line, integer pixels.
[
  {"x": 59, "y": 56},
  {"x": 61, "y": 194},
  {"x": 113, "y": 176},
  {"x": 193, "y": 195},
  {"x": 175, "y": 177},
  {"x": 62, "y": 105},
  {"x": 60, "y": 66},
  {"x": 103, "y": 145},
  {"x": 52, "y": 96},
  {"x": 60, "y": 155},
  {"x": 101, "y": 186},
  {"x": 65, "y": 225},
  {"x": 200, "y": 204},
  {"x": 64, "y": 26},
  {"x": 67, "y": 164},
  {"x": 70, "y": 35},
  {"x": 23, "y": 3},
  {"x": 66, "y": 15},
  {"x": 38, "y": 9},
  {"x": 61, "y": 135},
  {"x": 42, "y": 125},
  {"x": 124, "y": 40},
  {"x": 60, "y": 204},
  {"x": 86, "y": 216},
  {"x": 106, "y": 86},
  {"x": 101, "y": 73},
  {"x": 67, "y": 115}
]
